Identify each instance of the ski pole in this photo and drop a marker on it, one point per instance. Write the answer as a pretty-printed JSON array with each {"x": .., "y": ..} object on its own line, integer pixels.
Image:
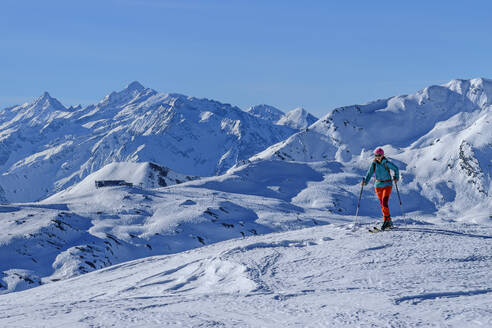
[
  {"x": 358, "y": 203},
  {"x": 401, "y": 205}
]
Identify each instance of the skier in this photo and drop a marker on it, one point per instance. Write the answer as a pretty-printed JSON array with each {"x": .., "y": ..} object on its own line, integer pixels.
[{"x": 381, "y": 166}]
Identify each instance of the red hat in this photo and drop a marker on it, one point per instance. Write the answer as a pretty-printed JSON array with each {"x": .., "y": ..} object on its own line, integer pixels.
[{"x": 379, "y": 151}]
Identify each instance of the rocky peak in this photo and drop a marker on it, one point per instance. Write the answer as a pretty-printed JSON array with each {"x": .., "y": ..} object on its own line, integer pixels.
[{"x": 47, "y": 102}]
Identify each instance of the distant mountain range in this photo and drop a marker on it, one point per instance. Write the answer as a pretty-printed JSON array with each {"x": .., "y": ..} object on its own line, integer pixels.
[
  {"x": 46, "y": 147},
  {"x": 197, "y": 172}
]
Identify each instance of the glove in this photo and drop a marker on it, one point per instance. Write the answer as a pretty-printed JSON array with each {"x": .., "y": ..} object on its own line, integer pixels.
[{"x": 395, "y": 179}]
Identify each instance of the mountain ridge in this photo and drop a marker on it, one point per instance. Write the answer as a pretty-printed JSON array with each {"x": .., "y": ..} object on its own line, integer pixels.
[
  {"x": 309, "y": 179},
  {"x": 436, "y": 135},
  {"x": 194, "y": 136}
]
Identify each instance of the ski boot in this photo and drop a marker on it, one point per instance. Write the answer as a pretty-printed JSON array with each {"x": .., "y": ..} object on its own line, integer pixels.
[{"x": 388, "y": 224}]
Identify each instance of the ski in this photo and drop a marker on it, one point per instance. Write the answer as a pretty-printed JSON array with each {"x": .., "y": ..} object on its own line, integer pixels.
[{"x": 376, "y": 229}]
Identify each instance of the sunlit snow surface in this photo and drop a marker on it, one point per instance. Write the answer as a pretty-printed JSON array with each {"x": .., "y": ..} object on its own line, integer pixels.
[
  {"x": 327, "y": 276},
  {"x": 269, "y": 243},
  {"x": 234, "y": 259}
]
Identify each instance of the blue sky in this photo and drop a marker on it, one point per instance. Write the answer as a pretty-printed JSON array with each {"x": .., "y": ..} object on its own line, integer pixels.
[{"x": 315, "y": 54}]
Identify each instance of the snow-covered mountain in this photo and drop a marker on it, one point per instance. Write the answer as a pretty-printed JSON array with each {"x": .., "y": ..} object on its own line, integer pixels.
[
  {"x": 43, "y": 110},
  {"x": 441, "y": 137},
  {"x": 297, "y": 119},
  {"x": 266, "y": 112},
  {"x": 45, "y": 147}
]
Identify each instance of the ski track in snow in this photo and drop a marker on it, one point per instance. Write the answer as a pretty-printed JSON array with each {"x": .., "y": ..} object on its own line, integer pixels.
[{"x": 437, "y": 276}]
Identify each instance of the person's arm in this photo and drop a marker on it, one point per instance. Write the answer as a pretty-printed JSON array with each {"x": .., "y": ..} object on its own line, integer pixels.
[
  {"x": 395, "y": 169},
  {"x": 369, "y": 174}
]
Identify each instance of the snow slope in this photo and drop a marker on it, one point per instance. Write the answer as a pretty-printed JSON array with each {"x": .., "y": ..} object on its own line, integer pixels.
[
  {"x": 45, "y": 147},
  {"x": 270, "y": 242},
  {"x": 142, "y": 174},
  {"x": 314, "y": 277},
  {"x": 85, "y": 228},
  {"x": 440, "y": 137},
  {"x": 44, "y": 241}
]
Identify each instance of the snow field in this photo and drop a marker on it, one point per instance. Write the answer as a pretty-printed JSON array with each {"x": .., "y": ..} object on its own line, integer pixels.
[
  {"x": 234, "y": 250},
  {"x": 415, "y": 276}
]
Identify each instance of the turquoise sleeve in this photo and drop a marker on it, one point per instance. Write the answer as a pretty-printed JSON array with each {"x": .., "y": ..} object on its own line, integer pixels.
[
  {"x": 369, "y": 174},
  {"x": 395, "y": 169}
]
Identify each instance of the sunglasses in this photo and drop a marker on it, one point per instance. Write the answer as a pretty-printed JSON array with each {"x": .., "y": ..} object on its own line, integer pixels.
[{"x": 378, "y": 155}]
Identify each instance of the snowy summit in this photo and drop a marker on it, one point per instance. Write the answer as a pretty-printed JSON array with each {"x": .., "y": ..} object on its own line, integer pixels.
[{"x": 47, "y": 148}]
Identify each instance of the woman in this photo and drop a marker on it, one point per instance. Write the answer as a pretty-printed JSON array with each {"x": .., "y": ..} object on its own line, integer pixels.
[{"x": 381, "y": 166}]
